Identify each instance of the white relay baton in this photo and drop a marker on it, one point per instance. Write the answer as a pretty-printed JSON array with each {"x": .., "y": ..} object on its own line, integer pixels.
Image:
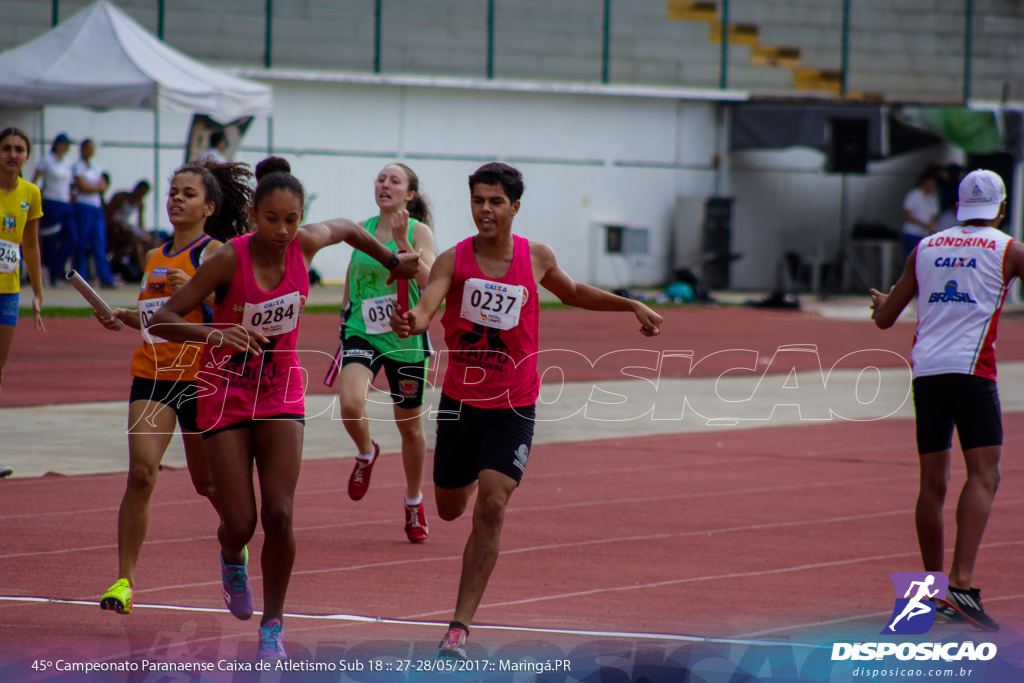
[{"x": 90, "y": 295}]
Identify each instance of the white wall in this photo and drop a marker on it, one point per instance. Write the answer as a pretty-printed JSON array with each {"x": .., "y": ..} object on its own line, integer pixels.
[
  {"x": 589, "y": 158},
  {"x": 586, "y": 158}
]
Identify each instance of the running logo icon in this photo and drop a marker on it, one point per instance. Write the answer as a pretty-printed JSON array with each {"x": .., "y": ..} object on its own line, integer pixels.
[{"x": 914, "y": 612}]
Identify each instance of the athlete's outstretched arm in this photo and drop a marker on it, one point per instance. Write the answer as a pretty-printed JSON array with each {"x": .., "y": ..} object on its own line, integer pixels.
[
  {"x": 571, "y": 293},
  {"x": 886, "y": 308},
  {"x": 417, "y": 320},
  {"x": 315, "y": 236},
  {"x": 215, "y": 273}
]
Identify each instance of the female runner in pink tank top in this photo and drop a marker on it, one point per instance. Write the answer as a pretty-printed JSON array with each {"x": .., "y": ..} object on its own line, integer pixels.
[{"x": 251, "y": 404}]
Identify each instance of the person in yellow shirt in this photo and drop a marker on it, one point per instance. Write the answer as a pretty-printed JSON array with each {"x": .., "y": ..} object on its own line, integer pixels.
[{"x": 21, "y": 206}]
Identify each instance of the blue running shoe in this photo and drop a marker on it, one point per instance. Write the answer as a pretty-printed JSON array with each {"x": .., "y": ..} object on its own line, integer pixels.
[
  {"x": 237, "y": 592},
  {"x": 271, "y": 641}
]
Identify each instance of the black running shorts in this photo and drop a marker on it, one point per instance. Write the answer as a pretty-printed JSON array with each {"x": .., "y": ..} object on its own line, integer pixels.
[
  {"x": 969, "y": 403},
  {"x": 180, "y": 396},
  {"x": 471, "y": 439},
  {"x": 406, "y": 380}
]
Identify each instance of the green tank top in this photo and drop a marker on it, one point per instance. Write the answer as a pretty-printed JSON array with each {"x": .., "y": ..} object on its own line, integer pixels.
[{"x": 372, "y": 302}]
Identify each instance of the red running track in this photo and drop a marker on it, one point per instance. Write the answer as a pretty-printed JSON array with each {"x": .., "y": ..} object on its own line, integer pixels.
[
  {"x": 763, "y": 533},
  {"x": 77, "y": 360},
  {"x": 766, "y": 533}
]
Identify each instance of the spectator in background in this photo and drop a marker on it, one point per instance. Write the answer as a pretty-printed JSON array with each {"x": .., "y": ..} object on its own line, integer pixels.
[
  {"x": 948, "y": 180},
  {"x": 57, "y": 233},
  {"x": 88, "y": 206},
  {"x": 920, "y": 212},
  {"x": 127, "y": 241},
  {"x": 218, "y": 144}
]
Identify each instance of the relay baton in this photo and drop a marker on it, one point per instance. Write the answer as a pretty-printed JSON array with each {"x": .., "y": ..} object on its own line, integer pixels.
[
  {"x": 332, "y": 372},
  {"x": 402, "y": 304},
  {"x": 90, "y": 295}
]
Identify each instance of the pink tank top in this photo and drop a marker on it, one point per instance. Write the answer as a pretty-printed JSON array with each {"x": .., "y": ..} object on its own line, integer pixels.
[
  {"x": 235, "y": 387},
  {"x": 490, "y": 327}
]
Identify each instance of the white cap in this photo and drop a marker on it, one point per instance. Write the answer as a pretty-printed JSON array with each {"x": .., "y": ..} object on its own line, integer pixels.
[{"x": 981, "y": 193}]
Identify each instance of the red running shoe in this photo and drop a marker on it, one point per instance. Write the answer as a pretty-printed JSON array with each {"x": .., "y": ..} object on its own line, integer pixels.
[
  {"x": 454, "y": 644},
  {"x": 359, "y": 481},
  {"x": 416, "y": 523}
]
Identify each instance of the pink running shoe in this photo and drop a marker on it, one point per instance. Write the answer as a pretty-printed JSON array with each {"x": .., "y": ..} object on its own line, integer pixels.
[
  {"x": 454, "y": 644},
  {"x": 271, "y": 641},
  {"x": 237, "y": 591}
]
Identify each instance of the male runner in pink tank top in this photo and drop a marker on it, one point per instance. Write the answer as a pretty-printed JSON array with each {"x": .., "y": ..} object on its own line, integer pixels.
[{"x": 486, "y": 414}]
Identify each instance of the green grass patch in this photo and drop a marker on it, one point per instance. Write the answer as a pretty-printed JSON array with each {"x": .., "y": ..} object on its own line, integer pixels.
[{"x": 58, "y": 312}]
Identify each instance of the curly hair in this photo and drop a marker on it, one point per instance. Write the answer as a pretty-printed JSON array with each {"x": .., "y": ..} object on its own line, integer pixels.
[{"x": 229, "y": 187}]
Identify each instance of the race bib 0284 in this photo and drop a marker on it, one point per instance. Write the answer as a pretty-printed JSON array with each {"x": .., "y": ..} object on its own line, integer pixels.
[{"x": 274, "y": 317}]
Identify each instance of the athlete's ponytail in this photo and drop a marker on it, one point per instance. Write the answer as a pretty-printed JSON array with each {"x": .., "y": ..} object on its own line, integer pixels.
[{"x": 418, "y": 207}]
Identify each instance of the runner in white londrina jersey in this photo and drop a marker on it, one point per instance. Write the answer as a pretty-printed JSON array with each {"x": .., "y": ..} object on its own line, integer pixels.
[
  {"x": 960, "y": 277},
  {"x": 961, "y": 289}
]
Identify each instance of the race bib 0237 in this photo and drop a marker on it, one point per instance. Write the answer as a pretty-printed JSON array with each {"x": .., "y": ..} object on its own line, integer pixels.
[{"x": 492, "y": 304}]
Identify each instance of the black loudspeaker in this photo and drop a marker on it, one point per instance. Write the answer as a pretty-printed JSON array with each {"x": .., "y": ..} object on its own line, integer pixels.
[{"x": 848, "y": 148}]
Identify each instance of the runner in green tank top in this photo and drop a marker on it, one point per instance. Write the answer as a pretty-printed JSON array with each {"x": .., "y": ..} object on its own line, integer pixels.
[{"x": 370, "y": 344}]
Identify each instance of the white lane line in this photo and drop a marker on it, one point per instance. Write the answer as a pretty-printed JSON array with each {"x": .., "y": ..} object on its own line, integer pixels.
[
  {"x": 632, "y": 635},
  {"x": 711, "y": 577},
  {"x": 857, "y": 617}
]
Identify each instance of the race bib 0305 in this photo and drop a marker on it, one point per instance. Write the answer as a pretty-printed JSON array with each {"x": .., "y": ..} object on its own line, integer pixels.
[
  {"x": 147, "y": 308},
  {"x": 274, "y": 317},
  {"x": 377, "y": 313},
  {"x": 492, "y": 304}
]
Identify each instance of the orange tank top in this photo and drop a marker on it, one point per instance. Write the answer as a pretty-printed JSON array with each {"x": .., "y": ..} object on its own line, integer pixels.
[{"x": 158, "y": 358}]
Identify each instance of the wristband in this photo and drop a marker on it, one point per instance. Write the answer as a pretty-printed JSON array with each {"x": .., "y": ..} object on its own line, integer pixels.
[{"x": 394, "y": 261}]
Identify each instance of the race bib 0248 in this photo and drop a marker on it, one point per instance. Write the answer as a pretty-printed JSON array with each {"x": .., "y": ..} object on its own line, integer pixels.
[
  {"x": 492, "y": 304},
  {"x": 10, "y": 256}
]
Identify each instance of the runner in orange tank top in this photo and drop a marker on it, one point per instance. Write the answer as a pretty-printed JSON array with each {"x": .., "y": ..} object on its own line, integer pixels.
[{"x": 207, "y": 204}]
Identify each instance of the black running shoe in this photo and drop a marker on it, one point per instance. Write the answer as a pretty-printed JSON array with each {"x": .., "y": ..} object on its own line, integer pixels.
[
  {"x": 967, "y": 603},
  {"x": 944, "y": 612},
  {"x": 6, "y": 471}
]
